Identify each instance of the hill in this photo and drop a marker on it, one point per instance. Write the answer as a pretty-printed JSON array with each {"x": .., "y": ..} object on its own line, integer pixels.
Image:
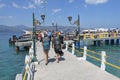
[
  {"x": 59, "y": 28},
  {"x": 17, "y": 28}
]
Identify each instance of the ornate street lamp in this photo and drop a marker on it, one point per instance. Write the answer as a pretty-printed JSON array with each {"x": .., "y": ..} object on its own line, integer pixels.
[
  {"x": 78, "y": 24},
  {"x": 34, "y": 35}
]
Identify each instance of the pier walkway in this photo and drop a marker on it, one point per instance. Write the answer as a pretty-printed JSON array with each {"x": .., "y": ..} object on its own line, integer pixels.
[{"x": 69, "y": 68}]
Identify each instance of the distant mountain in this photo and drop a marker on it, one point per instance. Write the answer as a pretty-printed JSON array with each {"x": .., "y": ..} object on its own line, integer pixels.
[
  {"x": 17, "y": 28},
  {"x": 59, "y": 28},
  {"x": 21, "y": 27}
]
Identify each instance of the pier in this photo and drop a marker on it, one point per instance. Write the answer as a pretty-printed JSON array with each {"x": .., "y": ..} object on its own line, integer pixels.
[{"x": 70, "y": 67}]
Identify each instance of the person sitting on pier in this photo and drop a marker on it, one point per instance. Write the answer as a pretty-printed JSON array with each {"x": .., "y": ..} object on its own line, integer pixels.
[{"x": 46, "y": 47}]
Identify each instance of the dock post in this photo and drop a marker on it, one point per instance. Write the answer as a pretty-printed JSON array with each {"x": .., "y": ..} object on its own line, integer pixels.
[
  {"x": 85, "y": 53},
  {"x": 17, "y": 48},
  {"x": 103, "y": 54},
  {"x": 66, "y": 46},
  {"x": 73, "y": 48}
]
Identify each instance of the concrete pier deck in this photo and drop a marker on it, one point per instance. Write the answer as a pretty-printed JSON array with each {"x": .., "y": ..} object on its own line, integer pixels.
[{"x": 69, "y": 68}]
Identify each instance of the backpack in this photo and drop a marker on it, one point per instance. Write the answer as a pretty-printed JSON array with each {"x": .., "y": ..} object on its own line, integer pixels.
[
  {"x": 46, "y": 43},
  {"x": 61, "y": 39},
  {"x": 57, "y": 44}
]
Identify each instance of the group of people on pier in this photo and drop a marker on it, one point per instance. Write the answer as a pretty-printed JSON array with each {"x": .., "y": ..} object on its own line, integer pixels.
[{"x": 53, "y": 39}]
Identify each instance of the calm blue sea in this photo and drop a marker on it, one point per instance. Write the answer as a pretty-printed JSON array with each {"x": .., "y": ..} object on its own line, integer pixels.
[{"x": 11, "y": 62}]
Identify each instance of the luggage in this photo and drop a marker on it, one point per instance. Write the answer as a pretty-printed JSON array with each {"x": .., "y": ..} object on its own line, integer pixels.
[{"x": 61, "y": 52}]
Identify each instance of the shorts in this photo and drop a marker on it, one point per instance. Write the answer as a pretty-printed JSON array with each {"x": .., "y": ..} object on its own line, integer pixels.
[
  {"x": 56, "y": 51},
  {"x": 45, "y": 50}
]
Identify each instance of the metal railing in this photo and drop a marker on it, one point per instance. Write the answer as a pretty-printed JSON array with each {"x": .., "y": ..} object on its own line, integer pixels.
[
  {"x": 102, "y": 55},
  {"x": 29, "y": 68}
]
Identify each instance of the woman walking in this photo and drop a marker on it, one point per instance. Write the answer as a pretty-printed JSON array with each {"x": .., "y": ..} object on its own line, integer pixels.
[{"x": 46, "y": 47}]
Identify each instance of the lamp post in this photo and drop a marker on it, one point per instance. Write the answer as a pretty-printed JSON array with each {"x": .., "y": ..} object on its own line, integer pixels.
[
  {"x": 55, "y": 26},
  {"x": 34, "y": 35},
  {"x": 78, "y": 25}
]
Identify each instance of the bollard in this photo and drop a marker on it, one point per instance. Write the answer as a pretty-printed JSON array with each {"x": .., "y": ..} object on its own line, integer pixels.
[
  {"x": 17, "y": 48},
  {"x": 103, "y": 54},
  {"x": 85, "y": 53},
  {"x": 66, "y": 46},
  {"x": 73, "y": 48}
]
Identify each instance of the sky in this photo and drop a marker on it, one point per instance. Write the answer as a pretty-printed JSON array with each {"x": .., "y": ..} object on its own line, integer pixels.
[{"x": 93, "y": 13}]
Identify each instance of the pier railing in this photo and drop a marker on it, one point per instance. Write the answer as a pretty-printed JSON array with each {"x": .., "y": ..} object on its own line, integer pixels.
[
  {"x": 100, "y": 35},
  {"x": 100, "y": 57},
  {"x": 29, "y": 68},
  {"x": 97, "y": 35}
]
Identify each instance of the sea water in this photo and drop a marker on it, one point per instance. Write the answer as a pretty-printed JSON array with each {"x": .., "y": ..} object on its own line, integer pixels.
[
  {"x": 11, "y": 62},
  {"x": 112, "y": 56}
]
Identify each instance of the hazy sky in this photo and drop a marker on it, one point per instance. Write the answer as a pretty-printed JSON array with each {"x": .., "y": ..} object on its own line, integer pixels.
[{"x": 93, "y": 13}]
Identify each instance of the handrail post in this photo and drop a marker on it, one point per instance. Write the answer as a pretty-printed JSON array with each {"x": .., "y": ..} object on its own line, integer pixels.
[
  {"x": 66, "y": 46},
  {"x": 28, "y": 77},
  {"x": 103, "y": 54},
  {"x": 73, "y": 48},
  {"x": 85, "y": 53},
  {"x": 31, "y": 53}
]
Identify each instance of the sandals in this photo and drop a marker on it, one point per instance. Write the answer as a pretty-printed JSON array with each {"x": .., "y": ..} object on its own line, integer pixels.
[
  {"x": 46, "y": 63},
  {"x": 57, "y": 61}
]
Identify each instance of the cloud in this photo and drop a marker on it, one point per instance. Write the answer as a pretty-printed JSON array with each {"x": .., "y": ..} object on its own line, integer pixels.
[
  {"x": 39, "y": 2},
  {"x": 2, "y": 5},
  {"x": 95, "y": 2},
  {"x": 15, "y": 5},
  {"x": 30, "y": 6},
  {"x": 70, "y": 1},
  {"x": 6, "y": 17},
  {"x": 56, "y": 10}
]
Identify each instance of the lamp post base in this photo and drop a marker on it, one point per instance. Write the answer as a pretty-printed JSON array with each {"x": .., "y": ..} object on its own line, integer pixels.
[{"x": 34, "y": 59}]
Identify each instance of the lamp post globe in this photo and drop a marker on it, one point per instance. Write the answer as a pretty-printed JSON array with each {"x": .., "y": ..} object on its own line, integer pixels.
[
  {"x": 70, "y": 18},
  {"x": 43, "y": 17}
]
